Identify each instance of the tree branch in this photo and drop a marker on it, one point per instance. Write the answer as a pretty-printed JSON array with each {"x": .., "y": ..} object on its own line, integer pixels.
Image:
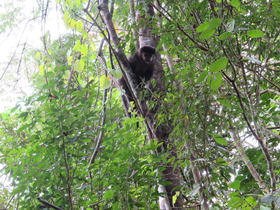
[
  {"x": 100, "y": 137},
  {"x": 49, "y": 205},
  {"x": 169, "y": 19}
]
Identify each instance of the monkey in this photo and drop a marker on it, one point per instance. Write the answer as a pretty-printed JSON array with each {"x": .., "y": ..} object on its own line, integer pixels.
[
  {"x": 142, "y": 65},
  {"x": 52, "y": 96}
]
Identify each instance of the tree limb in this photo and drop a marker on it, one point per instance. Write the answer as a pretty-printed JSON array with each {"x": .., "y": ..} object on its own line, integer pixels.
[{"x": 49, "y": 205}]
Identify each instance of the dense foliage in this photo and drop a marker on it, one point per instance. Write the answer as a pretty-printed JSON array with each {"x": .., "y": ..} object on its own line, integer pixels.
[{"x": 221, "y": 62}]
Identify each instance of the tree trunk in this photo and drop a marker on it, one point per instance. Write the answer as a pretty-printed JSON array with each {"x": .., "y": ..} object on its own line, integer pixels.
[{"x": 161, "y": 132}]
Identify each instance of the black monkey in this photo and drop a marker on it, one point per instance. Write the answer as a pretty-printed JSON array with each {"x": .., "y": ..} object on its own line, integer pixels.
[{"x": 142, "y": 65}]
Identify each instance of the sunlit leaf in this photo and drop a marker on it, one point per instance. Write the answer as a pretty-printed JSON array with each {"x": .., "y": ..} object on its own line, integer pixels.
[
  {"x": 79, "y": 65},
  {"x": 70, "y": 4},
  {"x": 42, "y": 69},
  {"x": 251, "y": 201},
  {"x": 69, "y": 59},
  {"x": 255, "y": 33},
  {"x": 77, "y": 3},
  {"x": 202, "y": 27},
  {"x": 84, "y": 50},
  {"x": 105, "y": 83},
  {"x": 174, "y": 197},
  {"x": 67, "y": 19},
  {"x": 117, "y": 73},
  {"x": 207, "y": 34},
  {"x": 79, "y": 26},
  {"x": 234, "y": 202},
  {"x": 38, "y": 55},
  {"x": 235, "y": 3}
]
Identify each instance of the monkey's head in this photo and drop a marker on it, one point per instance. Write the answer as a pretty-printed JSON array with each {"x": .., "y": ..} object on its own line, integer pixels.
[{"x": 147, "y": 54}]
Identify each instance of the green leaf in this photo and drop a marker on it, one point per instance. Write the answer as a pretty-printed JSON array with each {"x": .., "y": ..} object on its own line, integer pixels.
[
  {"x": 117, "y": 74},
  {"x": 79, "y": 65},
  {"x": 255, "y": 33},
  {"x": 202, "y": 27},
  {"x": 275, "y": 7},
  {"x": 219, "y": 64},
  {"x": 251, "y": 201},
  {"x": 220, "y": 140},
  {"x": 77, "y": 3},
  {"x": 84, "y": 50},
  {"x": 105, "y": 83},
  {"x": 202, "y": 77},
  {"x": 225, "y": 102},
  {"x": 70, "y": 4},
  {"x": 215, "y": 22},
  {"x": 234, "y": 202},
  {"x": 224, "y": 36},
  {"x": 207, "y": 34},
  {"x": 174, "y": 198},
  {"x": 208, "y": 28},
  {"x": 108, "y": 194},
  {"x": 38, "y": 55},
  {"x": 220, "y": 160},
  {"x": 235, "y": 185},
  {"x": 235, "y": 3},
  {"x": 77, "y": 46},
  {"x": 216, "y": 81},
  {"x": 79, "y": 26}
]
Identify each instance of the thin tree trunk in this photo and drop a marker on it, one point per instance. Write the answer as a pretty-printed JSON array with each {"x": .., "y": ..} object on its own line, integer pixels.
[
  {"x": 133, "y": 15},
  {"x": 197, "y": 178},
  {"x": 161, "y": 133},
  {"x": 247, "y": 161},
  {"x": 170, "y": 174}
]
